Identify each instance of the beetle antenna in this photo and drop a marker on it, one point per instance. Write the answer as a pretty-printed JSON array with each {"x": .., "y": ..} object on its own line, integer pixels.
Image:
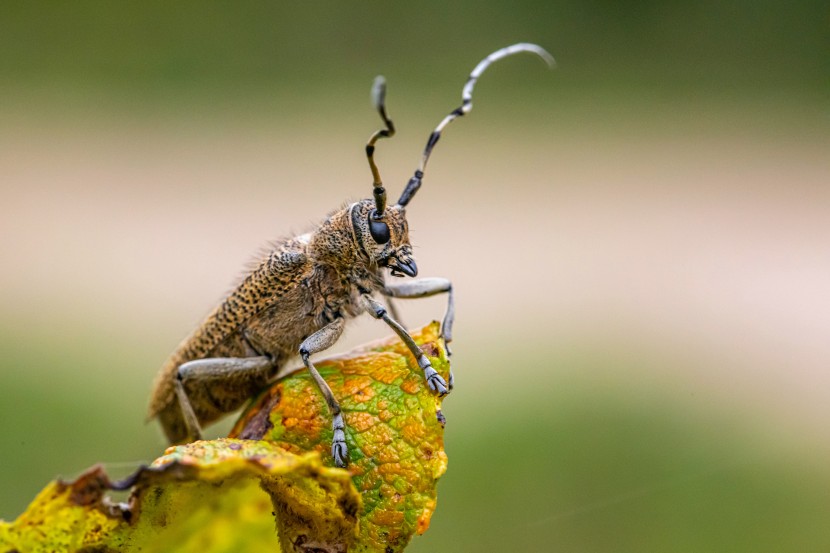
[
  {"x": 466, "y": 106},
  {"x": 379, "y": 101}
]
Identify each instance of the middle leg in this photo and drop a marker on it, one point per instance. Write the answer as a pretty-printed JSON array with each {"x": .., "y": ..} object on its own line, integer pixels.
[
  {"x": 319, "y": 341},
  {"x": 434, "y": 380}
]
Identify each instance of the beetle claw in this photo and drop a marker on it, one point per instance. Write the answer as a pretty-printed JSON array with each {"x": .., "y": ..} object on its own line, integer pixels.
[{"x": 436, "y": 382}]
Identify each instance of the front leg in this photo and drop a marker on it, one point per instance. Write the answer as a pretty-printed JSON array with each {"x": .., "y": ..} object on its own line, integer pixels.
[
  {"x": 434, "y": 380},
  {"x": 422, "y": 288},
  {"x": 319, "y": 341}
]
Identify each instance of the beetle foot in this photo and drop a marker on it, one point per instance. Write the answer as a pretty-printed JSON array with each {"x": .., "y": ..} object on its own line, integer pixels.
[
  {"x": 339, "y": 450},
  {"x": 435, "y": 381}
]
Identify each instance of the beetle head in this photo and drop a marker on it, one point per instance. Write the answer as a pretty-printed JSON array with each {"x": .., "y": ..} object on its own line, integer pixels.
[{"x": 384, "y": 238}]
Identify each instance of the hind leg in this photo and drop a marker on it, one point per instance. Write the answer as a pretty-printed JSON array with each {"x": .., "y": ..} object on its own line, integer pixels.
[{"x": 208, "y": 388}]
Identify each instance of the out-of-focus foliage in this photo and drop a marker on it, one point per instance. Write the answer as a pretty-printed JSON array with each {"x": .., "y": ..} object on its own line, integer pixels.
[
  {"x": 223, "y": 495},
  {"x": 187, "y": 45}
]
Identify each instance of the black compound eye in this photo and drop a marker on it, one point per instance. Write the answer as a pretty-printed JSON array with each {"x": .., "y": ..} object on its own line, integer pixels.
[{"x": 379, "y": 230}]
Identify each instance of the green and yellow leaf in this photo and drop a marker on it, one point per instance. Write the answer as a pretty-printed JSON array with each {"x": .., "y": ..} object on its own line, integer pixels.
[{"x": 271, "y": 485}]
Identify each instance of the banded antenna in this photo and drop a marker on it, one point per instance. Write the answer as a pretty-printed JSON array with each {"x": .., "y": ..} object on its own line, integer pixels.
[
  {"x": 379, "y": 101},
  {"x": 466, "y": 106}
]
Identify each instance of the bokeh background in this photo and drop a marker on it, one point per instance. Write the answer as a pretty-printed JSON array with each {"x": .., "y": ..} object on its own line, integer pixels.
[{"x": 639, "y": 242}]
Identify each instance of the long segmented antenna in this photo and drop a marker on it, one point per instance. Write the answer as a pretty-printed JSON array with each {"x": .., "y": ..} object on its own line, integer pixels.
[
  {"x": 466, "y": 106},
  {"x": 379, "y": 101}
]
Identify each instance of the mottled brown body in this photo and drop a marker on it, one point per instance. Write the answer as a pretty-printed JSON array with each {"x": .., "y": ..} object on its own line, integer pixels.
[{"x": 296, "y": 289}]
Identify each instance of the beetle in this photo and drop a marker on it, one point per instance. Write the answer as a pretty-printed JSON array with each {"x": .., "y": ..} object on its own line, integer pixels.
[{"x": 297, "y": 298}]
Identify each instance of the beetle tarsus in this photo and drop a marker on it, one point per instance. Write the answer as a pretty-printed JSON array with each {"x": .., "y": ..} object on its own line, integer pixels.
[
  {"x": 339, "y": 450},
  {"x": 435, "y": 381}
]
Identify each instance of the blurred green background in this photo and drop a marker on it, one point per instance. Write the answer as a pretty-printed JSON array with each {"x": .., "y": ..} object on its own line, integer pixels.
[{"x": 638, "y": 240}]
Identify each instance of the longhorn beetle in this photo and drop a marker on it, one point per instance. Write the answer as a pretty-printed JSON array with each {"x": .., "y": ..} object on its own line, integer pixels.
[{"x": 298, "y": 297}]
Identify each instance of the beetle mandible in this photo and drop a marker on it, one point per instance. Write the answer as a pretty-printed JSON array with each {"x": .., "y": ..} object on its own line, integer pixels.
[{"x": 297, "y": 299}]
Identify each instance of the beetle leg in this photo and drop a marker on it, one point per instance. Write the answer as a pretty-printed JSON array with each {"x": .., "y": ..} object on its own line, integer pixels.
[
  {"x": 216, "y": 384},
  {"x": 422, "y": 288},
  {"x": 393, "y": 310},
  {"x": 319, "y": 341},
  {"x": 434, "y": 380},
  {"x": 390, "y": 303},
  {"x": 191, "y": 423}
]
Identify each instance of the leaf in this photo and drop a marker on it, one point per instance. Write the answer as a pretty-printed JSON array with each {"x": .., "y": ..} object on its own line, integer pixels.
[
  {"x": 274, "y": 470},
  {"x": 394, "y": 431}
]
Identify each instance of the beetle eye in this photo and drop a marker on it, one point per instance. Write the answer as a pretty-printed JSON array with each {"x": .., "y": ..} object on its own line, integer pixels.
[{"x": 378, "y": 229}]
